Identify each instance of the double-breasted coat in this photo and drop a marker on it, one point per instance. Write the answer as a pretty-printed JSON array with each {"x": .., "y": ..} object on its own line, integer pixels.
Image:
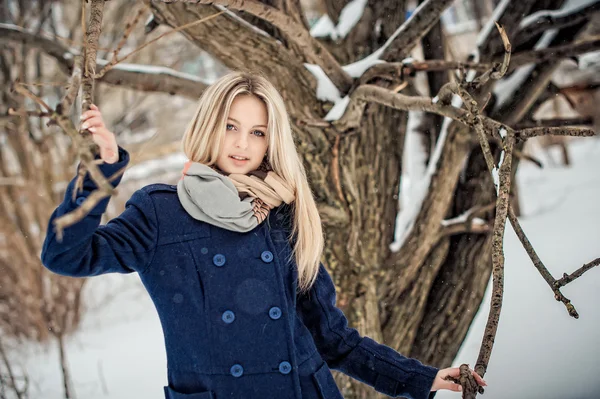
[{"x": 233, "y": 324}]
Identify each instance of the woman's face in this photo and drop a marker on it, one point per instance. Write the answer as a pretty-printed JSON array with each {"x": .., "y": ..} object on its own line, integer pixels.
[{"x": 245, "y": 143}]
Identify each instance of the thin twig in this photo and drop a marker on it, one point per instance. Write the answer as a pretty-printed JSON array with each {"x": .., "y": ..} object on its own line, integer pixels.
[
  {"x": 128, "y": 30},
  {"x": 179, "y": 28},
  {"x": 573, "y": 131},
  {"x": 567, "y": 278}
]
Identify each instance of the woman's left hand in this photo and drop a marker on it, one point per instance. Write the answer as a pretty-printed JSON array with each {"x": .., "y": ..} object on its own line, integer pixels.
[{"x": 441, "y": 383}]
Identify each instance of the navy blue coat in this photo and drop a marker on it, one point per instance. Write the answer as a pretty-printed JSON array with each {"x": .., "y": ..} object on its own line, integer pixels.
[{"x": 233, "y": 324}]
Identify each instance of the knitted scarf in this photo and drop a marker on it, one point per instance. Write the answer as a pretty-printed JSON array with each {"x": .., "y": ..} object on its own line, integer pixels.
[{"x": 232, "y": 201}]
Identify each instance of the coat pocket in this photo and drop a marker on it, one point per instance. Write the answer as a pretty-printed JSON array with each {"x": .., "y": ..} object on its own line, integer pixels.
[
  {"x": 326, "y": 384},
  {"x": 172, "y": 394}
]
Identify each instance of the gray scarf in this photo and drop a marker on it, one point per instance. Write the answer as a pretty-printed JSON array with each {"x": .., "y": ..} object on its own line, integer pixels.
[{"x": 234, "y": 202}]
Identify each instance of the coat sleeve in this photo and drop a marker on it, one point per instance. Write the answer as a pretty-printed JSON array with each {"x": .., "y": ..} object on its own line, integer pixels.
[
  {"x": 374, "y": 364},
  {"x": 125, "y": 244}
]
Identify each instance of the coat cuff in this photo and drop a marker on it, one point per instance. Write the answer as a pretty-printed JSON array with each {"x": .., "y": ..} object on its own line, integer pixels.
[
  {"x": 89, "y": 185},
  {"x": 397, "y": 375}
]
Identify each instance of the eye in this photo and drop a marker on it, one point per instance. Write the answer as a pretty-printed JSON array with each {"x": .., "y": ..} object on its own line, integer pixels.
[
  {"x": 229, "y": 126},
  {"x": 258, "y": 133}
]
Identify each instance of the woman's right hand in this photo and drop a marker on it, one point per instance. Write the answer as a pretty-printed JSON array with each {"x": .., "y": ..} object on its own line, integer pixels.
[{"x": 104, "y": 138}]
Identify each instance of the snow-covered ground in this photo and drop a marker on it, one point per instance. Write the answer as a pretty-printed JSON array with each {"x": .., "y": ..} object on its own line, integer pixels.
[{"x": 540, "y": 352}]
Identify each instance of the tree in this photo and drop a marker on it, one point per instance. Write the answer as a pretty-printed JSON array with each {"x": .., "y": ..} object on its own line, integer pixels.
[{"x": 351, "y": 127}]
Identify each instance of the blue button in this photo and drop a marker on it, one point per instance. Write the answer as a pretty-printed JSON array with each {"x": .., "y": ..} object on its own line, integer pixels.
[
  {"x": 267, "y": 256},
  {"x": 204, "y": 250},
  {"x": 274, "y": 313},
  {"x": 285, "y": 368},
  {"x": 80, "y": 200},
  {"x": 219, "y": 260},
  {"x": 228, "y": 316},
  {"x": 237, "y": 370}
]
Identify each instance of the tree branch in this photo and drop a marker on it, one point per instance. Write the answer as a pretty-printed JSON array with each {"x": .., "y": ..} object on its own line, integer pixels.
[
  {"x": 137, "y": 77},
  {"x": 555, "y": 53},
  {"x": 567, "y": 278},
  {"x": 313, "y": 51},
  {"x": 410, "y": 33},
  {"x": 554, "y": 131},
  {"x": 547, "y": 20},
  {"x": 555, "y": 122}
]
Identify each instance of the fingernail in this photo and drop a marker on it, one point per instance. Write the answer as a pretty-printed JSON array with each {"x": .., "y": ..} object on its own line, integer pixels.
[
  {"x": 81, "y": 117},
  {"x": 84, "y": 126},
  {"x": 92, "y": 129}
]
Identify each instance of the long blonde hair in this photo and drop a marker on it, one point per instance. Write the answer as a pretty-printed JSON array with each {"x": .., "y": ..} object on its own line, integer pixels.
[{"x": 202, "y": 142}]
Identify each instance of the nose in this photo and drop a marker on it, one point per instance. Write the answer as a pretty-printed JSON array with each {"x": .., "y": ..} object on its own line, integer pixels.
[{"x": 241, "y": 140}]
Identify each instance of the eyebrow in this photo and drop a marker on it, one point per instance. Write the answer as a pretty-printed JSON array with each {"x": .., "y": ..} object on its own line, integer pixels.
[{"x": 238, "y": 122}]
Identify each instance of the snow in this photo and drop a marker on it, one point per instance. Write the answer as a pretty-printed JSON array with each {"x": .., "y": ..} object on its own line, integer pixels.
[
  {"x": 539, "y": 348},
  {"x": 542, "y": 351},
  {"x": 338, "y": 109},
  {"x": 569, "y": 7},
  {"x": 155, "y": 70},
  {"x": 326, "y": 91},
  {"x": 413, "y": 201},
  {"x": 490, "y": 25},
  {"x": 414, "y": 158},
  {"x": 589, "y": 60},
  {"x": 244, "y": 22},
  {"x": 349, "y": 17}
]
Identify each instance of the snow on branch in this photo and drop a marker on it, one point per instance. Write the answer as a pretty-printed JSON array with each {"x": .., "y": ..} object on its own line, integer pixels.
[
  {"x": 312, "y": 50},
  {"x": 541, "y": 21},
  {"x": 405, "y": 38},
  {"x": 349, "y": 17}
]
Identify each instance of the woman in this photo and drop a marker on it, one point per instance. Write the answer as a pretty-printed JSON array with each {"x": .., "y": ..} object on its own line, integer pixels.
[{"x": 230, "y": 257}]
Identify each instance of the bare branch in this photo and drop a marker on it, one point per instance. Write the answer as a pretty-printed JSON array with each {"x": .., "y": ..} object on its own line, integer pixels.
[
  {"x": 567, "y": 278},
  {"x": 91, "y": 48},
  {"x": 554, "y": 131},
  {"x": 379, "y": 95},
  {"x": 556, "y": 52},
  {"x": 537, "y": 262},
  {"x": 395, "y": 70},
  {"x": 128, "y": 29},
  {"x": 555, "y": 122}
]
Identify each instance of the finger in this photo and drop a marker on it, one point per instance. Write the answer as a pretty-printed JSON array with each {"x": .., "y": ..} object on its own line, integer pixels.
[
  {"x": 94, "y": 107},
  {"x": 95, "y": 121},
  {"x": 451, "y": 386},
  {"x": 452, "y": 372},
  {"x": 478, "y": 378},
  {"x": 89, "y": 114}
]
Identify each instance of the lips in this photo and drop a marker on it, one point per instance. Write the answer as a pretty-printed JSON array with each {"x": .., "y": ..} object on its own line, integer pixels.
[{"x": 239, "y": 157}]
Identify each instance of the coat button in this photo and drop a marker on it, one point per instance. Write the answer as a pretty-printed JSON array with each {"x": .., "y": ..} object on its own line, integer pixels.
[
  {"x": 237, "y": 370},
  {"x": 267, "y": 256},
  {"x": 228, "y": 316},
  {"x": 285, "y": 368},
  {"x": 204, "y": 251},
  {"x": 274, "y": 313},
  {"x": 80, "y": 200},
  {"x": 219, "y": 260}
]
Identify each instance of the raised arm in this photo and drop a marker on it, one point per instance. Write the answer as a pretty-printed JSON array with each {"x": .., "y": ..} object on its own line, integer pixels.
[
  {"x": 125, "y": 244},
  {"x": 372, "y": 363}
]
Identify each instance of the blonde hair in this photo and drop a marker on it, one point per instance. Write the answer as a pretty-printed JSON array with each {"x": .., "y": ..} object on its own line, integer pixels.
[{"x": 202, "y": 142}]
